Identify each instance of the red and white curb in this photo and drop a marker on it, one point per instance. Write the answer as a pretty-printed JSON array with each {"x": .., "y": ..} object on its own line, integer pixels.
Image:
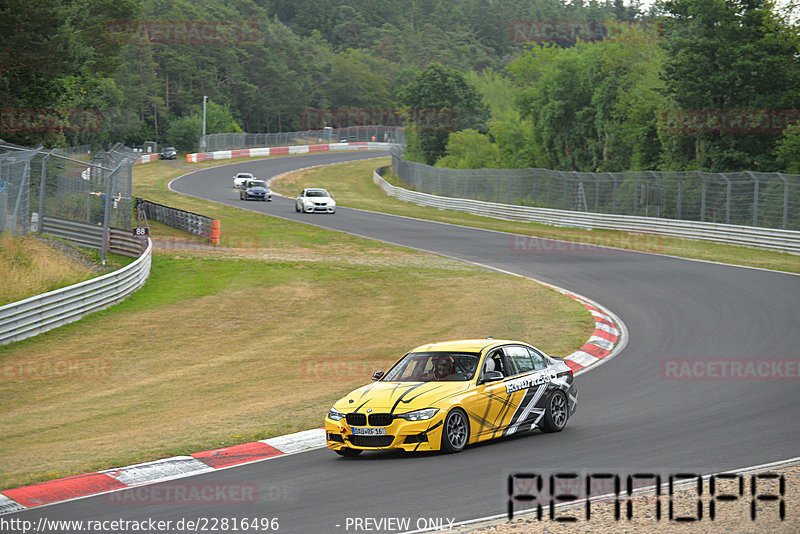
[
  {"x": 284, "y": 150},
  {"x": 75, "y": 487},
  {"x": 604, "y": 341},
  {"x": 608, "y": 338}
]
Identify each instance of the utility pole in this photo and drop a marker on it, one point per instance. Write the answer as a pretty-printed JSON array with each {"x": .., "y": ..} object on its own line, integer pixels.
[{"x": 203, "y": 139}]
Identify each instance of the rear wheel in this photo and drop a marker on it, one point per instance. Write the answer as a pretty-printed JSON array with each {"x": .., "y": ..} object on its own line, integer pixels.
[
  {"x": 348, "y": 453},
  {"x": 456, "y": 431},
  {"x": 556, "y": 412}
]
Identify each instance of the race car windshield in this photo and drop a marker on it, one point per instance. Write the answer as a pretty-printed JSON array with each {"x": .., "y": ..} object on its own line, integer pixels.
[
  {"x": 434, "y": 366},
  {"x": 316, "y": 194},
  {"x": 258, "y": 183}
]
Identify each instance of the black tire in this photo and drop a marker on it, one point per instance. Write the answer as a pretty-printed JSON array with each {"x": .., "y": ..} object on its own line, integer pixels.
[
  {"x": 347, "y": 452},
  {"x": 455, "y": 433},
  {"x": 556, "y": 412}
]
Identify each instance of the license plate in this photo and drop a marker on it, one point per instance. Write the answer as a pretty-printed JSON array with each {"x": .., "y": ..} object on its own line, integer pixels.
[{"x": 362, "y": 431}]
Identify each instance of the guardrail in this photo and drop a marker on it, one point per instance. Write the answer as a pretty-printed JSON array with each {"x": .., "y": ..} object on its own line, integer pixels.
[
  {"x": 91, "y": 236},
  {"x": 34, "y": 315},
  {"x": 750, "y": 236},
  {"x": 187, "y": 221}
]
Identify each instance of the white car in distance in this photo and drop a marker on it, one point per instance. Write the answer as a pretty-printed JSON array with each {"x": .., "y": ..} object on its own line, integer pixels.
[
  {"x": 240, "y": 179},
  {"x": 315, "y": 200}
]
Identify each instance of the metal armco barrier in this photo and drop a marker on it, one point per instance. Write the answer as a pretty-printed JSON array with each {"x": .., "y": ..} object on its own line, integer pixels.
[
  {"x": 34, "y": 315},
  {"x": 750, "y": 236},
  {"x": 82, "y": 234},
  {"x": 182, "y": 220},
  {"x": 91, "y": 236}
]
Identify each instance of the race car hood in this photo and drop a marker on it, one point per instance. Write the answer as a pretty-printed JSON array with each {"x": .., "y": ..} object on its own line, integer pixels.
[{"x": 398, "y": 397}]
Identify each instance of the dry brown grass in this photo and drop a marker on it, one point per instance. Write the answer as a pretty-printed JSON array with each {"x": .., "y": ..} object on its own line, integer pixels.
[{"x": 29, "y": 267}]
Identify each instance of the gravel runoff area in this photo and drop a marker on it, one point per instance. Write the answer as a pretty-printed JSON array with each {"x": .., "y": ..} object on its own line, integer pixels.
[{"x": 730, "y": 516}]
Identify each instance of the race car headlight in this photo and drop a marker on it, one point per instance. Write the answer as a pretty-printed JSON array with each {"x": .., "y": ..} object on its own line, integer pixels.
[
  {"x": 335, "y": 415},
  {"x": 418, "y": 415}
]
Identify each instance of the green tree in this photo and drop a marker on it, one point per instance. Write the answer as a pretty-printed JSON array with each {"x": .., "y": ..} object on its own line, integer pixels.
[
  {"x": 185, "y": 132},
  {"x": 787, "y": 151},
  {"x": 727, "y": 55},
  {"x": 470, "y": 149},
  {"x": 438, "y": 101}
]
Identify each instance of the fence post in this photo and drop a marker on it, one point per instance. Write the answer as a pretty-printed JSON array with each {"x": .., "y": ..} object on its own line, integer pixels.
[
  {"x": 785, "y": 200},
  {"x": 755, "y": 198},
  {"x": 727, "y": 200},
  {"x": 702, "y": 199},
  {"x": 42, "y": 188}
]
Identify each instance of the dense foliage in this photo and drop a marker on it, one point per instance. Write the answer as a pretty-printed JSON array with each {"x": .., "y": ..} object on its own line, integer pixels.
[{"x": 599, "y": 85}]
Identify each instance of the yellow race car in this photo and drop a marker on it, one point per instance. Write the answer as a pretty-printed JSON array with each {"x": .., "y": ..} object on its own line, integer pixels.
[{"x": 444, "y": 396}]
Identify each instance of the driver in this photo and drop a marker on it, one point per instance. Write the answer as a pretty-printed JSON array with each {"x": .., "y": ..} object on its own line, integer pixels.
[{"x": 442, "y": 366}]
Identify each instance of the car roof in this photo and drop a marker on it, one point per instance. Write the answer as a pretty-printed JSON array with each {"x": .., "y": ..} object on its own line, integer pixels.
[
  {"x": 307, "y": 189},
  {"x": 465, "y": 345}
]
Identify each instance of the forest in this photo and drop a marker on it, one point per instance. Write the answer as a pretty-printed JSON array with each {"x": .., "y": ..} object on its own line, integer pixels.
[{"x": 581, "y": 85}]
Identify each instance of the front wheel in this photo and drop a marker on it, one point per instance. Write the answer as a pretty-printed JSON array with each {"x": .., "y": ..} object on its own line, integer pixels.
[
  {"x": 347, "y": 452},
  {"x": 456, "y": 431},
  {"x": 556, "y": 412}
]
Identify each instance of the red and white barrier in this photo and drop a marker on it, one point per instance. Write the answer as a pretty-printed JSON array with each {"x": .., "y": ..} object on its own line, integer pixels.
[
  {"x": 146, "y": 159},
  {"x": 282, "y": 150}
]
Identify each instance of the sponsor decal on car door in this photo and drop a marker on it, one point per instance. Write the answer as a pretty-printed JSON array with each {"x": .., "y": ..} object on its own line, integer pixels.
[{"x": 530, "y": 408}]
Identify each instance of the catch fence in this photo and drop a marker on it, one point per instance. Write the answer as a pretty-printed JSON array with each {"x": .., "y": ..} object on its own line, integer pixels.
[
  {"x": 770, "y": 200},
  {"x": 36, "y": 184}
]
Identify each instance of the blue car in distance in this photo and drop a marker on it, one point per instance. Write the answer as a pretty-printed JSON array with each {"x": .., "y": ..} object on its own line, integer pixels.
[{"x": 255, "y": 190}]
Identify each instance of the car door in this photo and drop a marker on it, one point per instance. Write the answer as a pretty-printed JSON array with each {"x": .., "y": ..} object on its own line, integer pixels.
[
  {"x": 491, "y": 407},
  {"x": 529, "y": 387}
]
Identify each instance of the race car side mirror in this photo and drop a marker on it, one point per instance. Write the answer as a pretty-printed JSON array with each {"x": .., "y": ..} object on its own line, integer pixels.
[
  {"x": 377, "y": 375},
  {"x": 492, "y": 376}
]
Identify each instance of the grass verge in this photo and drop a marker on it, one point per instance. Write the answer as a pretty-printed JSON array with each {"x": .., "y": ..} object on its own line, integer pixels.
[
  {"x": 352, "y": 186},
  {"x": 233, "y": 344},
  {"x": 32, "y": 265}
]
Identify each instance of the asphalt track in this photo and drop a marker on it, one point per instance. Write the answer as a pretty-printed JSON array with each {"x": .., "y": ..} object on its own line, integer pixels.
[{"x": 630, "y": 417}]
